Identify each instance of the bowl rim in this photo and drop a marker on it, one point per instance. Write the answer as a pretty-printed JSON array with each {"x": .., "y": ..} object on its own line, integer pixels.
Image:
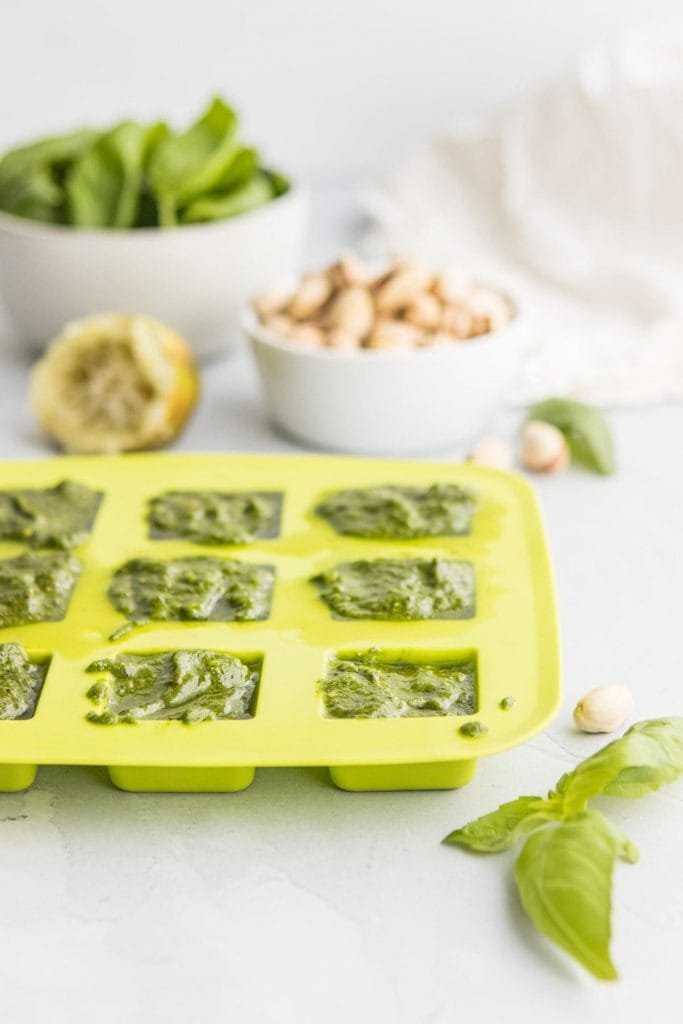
[
  {"x": 259, "y": 334},
  {"x": 11, "y": 224}
]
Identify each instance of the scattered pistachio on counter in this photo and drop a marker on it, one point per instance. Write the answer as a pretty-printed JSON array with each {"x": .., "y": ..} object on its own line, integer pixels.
[
  {"x": 604, "y": 709},
  {"x": 407, "y": 306},
  {"x": 543, "y": 448},
  {"x": 491, "y": 452},
  {"x": 585, "y": 430}
]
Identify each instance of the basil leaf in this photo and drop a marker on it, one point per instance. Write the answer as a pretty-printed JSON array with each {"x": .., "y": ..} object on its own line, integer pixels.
[
  {"x": 242, "y": 166},
  {"x": 104, "y": 184},
  {"x": 219, "y": 206},
  {"x": 132, "y": 176},
  {"x": 278, "y": 181},
  {"x": 501, "y": 829},
  {"x": 36, "y": 196},
  {"x": 647, "y": 756},
  {"x": 188, "y": 165},
  {"x": 564, "y": 878},
  {"x": 585, "y": 429},
  {"x": 31, "y": 177}
]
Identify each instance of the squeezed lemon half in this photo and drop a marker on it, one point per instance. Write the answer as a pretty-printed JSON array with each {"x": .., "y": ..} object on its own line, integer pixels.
[{"x": 114, "y": 383}]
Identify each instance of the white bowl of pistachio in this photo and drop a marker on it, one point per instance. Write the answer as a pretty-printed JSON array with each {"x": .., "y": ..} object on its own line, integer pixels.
[{"x": 400, "y": 361}]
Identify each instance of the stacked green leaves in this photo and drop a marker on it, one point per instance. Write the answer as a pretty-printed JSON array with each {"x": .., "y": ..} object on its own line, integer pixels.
[
  {"x": 564, "y": 872},
  {"x": 134, "y": 175}
]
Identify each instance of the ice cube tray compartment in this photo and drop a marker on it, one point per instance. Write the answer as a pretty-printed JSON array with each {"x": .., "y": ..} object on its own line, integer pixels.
[{"x": 513, "y": 633}]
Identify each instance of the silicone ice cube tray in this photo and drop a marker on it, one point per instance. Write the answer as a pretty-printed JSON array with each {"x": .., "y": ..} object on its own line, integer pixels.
[{"x": 513, "y": 636}]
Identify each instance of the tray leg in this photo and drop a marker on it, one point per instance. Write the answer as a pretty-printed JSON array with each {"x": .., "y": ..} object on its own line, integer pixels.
[
  {"x": 15, "y": 777},
  {"x": 443, "y": 775},
  {"x": 145, "y": 779}
]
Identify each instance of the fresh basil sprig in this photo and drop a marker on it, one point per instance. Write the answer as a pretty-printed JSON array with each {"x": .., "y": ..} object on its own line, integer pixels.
[
  {"x": 564, "y": 872},
  {"x": 585, "y": 429},
  {"x": 135, "y": 175}
]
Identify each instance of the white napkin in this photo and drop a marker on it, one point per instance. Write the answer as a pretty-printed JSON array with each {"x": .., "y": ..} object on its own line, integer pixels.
[{"x": 574, "y": 203}]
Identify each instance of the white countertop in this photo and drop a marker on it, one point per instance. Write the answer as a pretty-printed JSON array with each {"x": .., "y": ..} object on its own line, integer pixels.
[{"x": 296, "y": 902}]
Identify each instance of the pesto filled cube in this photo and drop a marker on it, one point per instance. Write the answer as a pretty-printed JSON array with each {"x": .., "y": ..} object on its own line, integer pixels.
[
  {"x": 213, "y": 517},
  {"x": 394, "y": 512},
  {"x": 21, "y": 681},
  {"x": 199, "y": 589},
  {"x": 56, "y": 517},
  {"x": 370, "y": 685},
  {"x": 399, "y": 589},
  {"x": 36, "y": 587},
  {"x": 187, "y": 686}
]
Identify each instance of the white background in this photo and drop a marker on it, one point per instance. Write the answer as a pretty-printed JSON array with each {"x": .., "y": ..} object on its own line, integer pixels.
[
  {"x": 294, "y": 903},
  {"x": 325, "y": 87}
]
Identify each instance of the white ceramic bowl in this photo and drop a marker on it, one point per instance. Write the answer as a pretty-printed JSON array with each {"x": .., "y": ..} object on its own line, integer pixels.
[
  {"x": 386, "y": 402},
  {"x": 195, "y": 278}
]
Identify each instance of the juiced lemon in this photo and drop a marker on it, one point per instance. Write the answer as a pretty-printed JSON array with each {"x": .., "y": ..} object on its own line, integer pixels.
[{"x": 113, "y": 383}]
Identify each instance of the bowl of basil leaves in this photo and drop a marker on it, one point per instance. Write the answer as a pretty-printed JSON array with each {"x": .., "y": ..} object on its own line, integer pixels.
[{"x": 185, "y": 226}]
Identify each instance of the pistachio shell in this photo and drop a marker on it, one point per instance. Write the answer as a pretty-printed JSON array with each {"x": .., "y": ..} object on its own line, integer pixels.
[
  {"x": 307, "y": 334},
  {"x": 269, "y": 303},
  {"x": 394, "y": 334},
  {"x": 341, "y": 339},
  {"x": 278, "y": 323},
  {"x": 490, "y": 310},
  {"x": 349, "y": 271},
  {"x": 313, "y": 293},
  {"x": 452, "y": 285},
  {"x": 457, "y": 321},
  {"x": 543, "y": 448},
  {"x": 491, "y": 452},
  {"x": 424, "y": 311},
  {"x": 402, "y": 286},
  {"x": 353, "y": 310}
]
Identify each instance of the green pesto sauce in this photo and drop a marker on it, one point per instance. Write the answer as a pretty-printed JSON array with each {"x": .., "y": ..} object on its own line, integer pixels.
[
  {"x": 399, "y": 588},
  {"x": 364, "y": 686},
  {"x": 209, "y": 517},
  {"x": 473, "y": 730},
  {"x": 20, "y": 682},
  {"x": 57, "y": 517},
  {"x": 218, "y": 589},
  {"x": 400, "y": 512},
  {"x": 36, "y": 587},
  {"x": 189, "y": 686}
]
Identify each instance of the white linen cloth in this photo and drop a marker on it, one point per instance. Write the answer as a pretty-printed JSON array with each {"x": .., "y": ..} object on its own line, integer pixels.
[{"x": 573, "y": 202}]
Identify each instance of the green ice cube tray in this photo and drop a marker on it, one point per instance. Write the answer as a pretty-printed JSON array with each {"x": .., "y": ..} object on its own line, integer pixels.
[{"x": 512, "y": 637}]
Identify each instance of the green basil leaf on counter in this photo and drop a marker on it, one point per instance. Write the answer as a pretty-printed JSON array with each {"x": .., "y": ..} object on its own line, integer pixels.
[
  {"x": 187, "y": 165},
  {"x": 251, "y": 194},
  {"x": 105, "y": 182},
  {"x": 564, "y": 871},
  {"x": 646, "y": 757},
  {"x": 32, "y": 176},
  {"x": 564, "y": 878},
  {"x": 503, "y": 827},
  {"x": 585, "y": 429},
  {"x": 279, "y": 183}
]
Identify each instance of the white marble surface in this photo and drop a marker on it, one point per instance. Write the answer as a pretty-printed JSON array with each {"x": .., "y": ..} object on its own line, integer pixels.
[{"x": 295, "y": 902}]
